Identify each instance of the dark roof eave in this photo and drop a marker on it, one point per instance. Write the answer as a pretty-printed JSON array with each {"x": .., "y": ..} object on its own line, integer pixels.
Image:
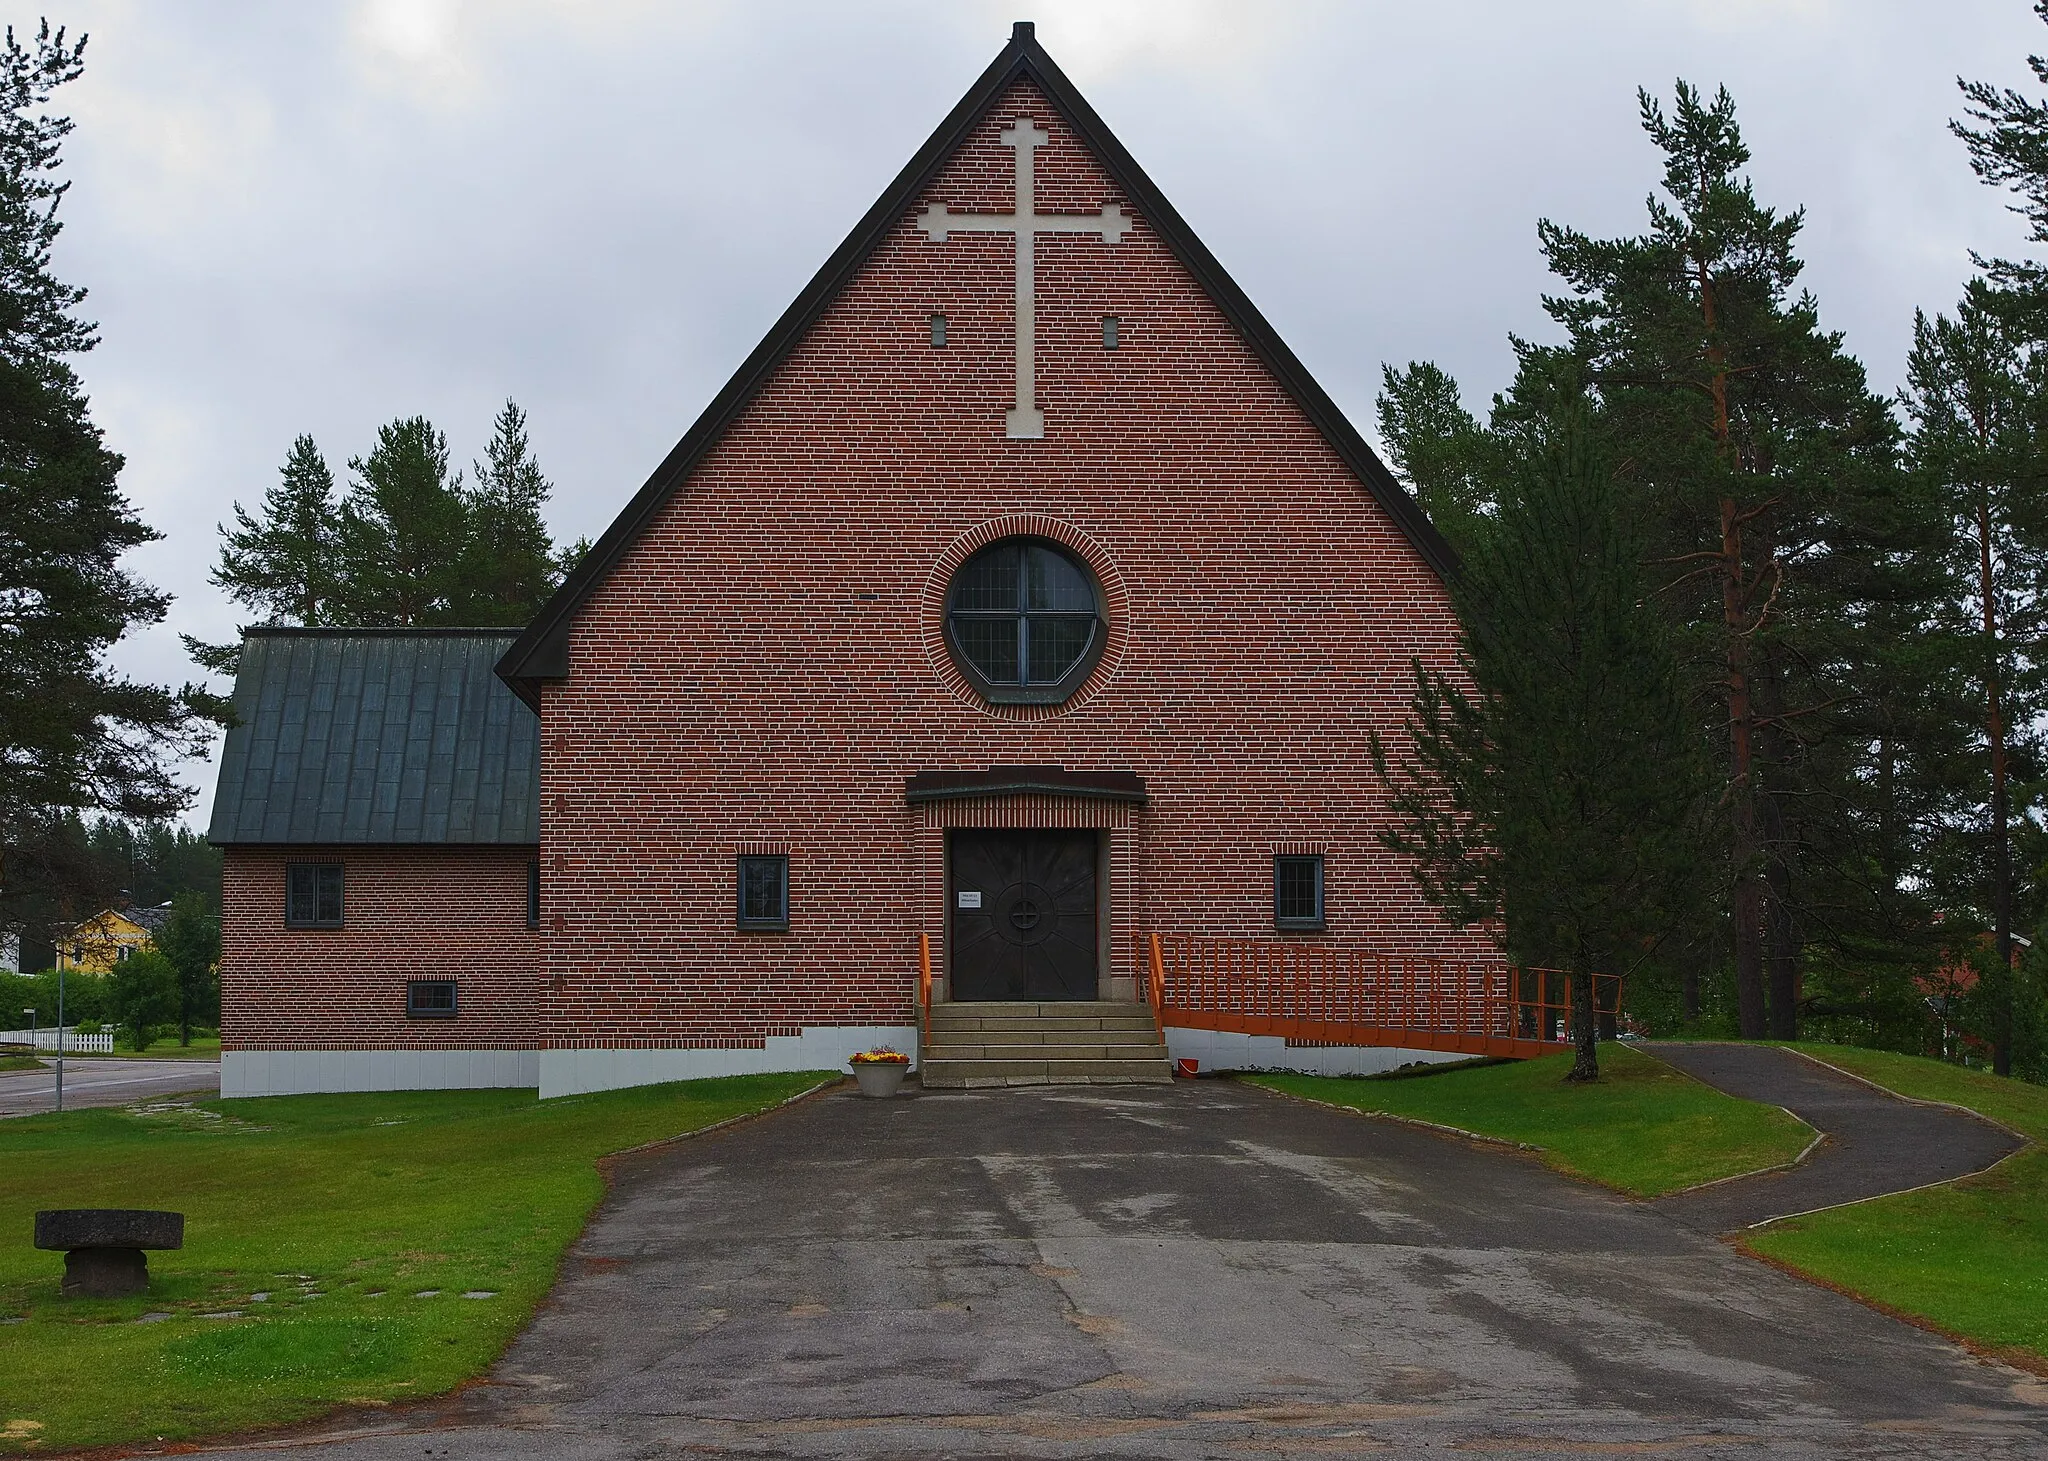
[{"x": 541, "y": 652}]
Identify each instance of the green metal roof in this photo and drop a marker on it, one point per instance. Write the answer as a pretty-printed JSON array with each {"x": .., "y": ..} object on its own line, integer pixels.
[{"x": 372, "y": 736}]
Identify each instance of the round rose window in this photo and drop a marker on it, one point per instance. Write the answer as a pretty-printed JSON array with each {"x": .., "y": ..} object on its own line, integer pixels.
[{"x": 1024, "y": 621}]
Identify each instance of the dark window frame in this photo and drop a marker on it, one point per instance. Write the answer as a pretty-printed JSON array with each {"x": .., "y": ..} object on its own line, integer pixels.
[
  {"x": 416, "y": 1010},
  {"x": 312, "y": 899},
  {"x": 1296, "y": 921},
  {"x": 533, "y": 893},
  {"x": 760, "y": 923},
  {"x": 1022, "y": 691}
]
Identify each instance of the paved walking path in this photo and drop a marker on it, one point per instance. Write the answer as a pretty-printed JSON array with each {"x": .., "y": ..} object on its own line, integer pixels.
[
  {"x": 1876, "y": 1142},
  {"x": 103, "y": 1081},
  {"x": 1195, "y": 1270}
]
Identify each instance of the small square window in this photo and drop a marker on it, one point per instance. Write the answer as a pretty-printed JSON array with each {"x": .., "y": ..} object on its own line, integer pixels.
[
  {"x": 1298, "y": 892},
  {"x": 312, "y": 896},
  {"x": 1112, "y": 331},
  {"x": 533, "y": 893},
  {"x": 430, "y": 999},
  {"x": 764, "y": 893},
  {"x": 938, "y": 324}
]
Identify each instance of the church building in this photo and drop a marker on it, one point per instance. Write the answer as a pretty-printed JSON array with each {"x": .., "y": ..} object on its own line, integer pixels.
[{"x": 1020, "y": 598}]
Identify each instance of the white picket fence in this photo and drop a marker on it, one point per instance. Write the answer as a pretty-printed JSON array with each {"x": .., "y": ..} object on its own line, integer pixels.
[{"x": 74, "y": 1043}]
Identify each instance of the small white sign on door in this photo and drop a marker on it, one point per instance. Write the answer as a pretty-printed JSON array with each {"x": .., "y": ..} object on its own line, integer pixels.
[{"x": 969, "y": 899}]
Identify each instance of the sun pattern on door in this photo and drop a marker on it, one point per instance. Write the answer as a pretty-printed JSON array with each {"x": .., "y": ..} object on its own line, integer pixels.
[{"x": 1022, "y": 906}]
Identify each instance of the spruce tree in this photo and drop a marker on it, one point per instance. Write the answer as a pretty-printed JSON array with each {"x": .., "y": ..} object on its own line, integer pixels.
[
  {"x": 403, "y": 529},
  {"x": 284, "y": 561},
  {"x": 1754, "y": 439},
  {"x": 509, "y": 567},
  {"x": 1551, "y": 785},
  {"x": 74, "y": 732}
]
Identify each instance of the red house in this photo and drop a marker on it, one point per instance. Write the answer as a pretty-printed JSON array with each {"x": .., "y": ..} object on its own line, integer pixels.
[{"x": 1020, "y": 591}]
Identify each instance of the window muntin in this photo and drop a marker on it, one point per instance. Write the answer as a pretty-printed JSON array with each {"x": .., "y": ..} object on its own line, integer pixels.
[
  {"x": 1024, "y": 620},
  {"x": 430, "y": 999},
  {"x": 1298, "y": 892},
  {"x": 312, "y": 897},
  {"x": 764, "y": 893}
]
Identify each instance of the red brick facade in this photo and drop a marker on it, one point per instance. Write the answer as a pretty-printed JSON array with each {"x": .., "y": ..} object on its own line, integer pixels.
[
  {"x": 408, "y": 913},
  {"x": 765, "y": 667}
]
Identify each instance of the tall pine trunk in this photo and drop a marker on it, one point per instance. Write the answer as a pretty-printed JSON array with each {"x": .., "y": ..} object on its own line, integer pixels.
[
  {"x": 2001, "y": 838},
  {"x": 1585, "y": 1028},
  {"x": 1746, "y": 902}
]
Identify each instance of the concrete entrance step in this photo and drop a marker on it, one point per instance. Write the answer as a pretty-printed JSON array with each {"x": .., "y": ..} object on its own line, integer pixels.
[
  {"x": 938, "y": 1073},
  {"x": 1046, "y": 1042},
  {"x": 1010, "y": 1048}
]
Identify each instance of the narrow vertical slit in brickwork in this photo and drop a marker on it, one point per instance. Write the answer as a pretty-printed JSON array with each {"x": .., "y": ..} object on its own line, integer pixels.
[{"x": 938, "y": 323}]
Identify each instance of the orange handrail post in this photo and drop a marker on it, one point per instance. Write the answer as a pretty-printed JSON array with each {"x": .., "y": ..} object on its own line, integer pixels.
[
  {"x": 1158, "y": 982},
  {"x": 924, "y": 986}
]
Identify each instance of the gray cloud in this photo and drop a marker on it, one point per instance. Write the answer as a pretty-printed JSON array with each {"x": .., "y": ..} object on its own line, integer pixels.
[{"x": 316, "y": 217}]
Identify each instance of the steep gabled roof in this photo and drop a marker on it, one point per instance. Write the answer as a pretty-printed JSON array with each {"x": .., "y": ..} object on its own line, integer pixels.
[
  {"x": 377, "y": 736},
  {"x": 542, "y": 651}
]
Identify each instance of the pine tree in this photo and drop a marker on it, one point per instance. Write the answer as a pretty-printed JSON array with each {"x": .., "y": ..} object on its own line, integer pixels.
[
  {"x": 1754, "y": 436},
  {"x": 75, "y": 733},
  {"x": 1552, "y": 783},
  {"x": 403, "y": 529},
  {"x": 1436, "y": 446},
  {"x": 283, "y": 562},
  {"x": 1977, "y": 394},
  {"x": 509, "y": 567}
]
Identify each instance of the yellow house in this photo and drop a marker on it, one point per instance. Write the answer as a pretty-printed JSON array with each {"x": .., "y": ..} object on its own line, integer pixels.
[{"x": 96, "y": 945}]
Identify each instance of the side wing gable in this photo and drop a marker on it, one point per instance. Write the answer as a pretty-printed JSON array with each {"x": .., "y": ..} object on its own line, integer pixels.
[{"x": 542, "y": 651}]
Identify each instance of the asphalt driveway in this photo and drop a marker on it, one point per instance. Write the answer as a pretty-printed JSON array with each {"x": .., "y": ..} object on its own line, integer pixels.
[
  {"x": 1876, "y": 1142},
  {"x": 1201, "y": 1269},
  {"x": 103, "y": 1081}
]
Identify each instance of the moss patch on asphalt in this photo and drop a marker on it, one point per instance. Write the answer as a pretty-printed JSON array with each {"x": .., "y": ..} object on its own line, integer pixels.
[
  {"x": 1643, "y": 1127},
  {"x": 1969, "y": 1257},
  {"x": 338, "y": 1249}
]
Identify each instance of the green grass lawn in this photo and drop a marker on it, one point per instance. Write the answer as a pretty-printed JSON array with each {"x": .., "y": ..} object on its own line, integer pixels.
[
  {"x": 166, "y": 1047},
  {"x": 1643, "y": 1127},
  {"x": 365, "y": 1219},
  {"x": 19, "y": 1062},
  {"x": 1970, "y": 1257}
]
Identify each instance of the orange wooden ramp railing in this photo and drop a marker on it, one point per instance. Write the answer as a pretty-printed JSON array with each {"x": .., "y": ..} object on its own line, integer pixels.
[{"x": 1316, "y": 994}]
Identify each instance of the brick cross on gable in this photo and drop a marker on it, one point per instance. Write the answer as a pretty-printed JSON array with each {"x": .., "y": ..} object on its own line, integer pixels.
[{"x": 1025, "y": 420}]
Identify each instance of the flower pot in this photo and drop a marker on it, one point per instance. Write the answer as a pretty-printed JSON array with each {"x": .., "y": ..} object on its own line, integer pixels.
[{"x": 881, "y": 1078}]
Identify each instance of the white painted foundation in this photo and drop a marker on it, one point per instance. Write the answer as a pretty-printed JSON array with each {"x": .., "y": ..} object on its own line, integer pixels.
[
  {"x": 555, "y": 1072},
  {"x": 819, "y": 1047},
  {"x": 302, "y": 1072},
  {"x": 1220, "y": 1050}
]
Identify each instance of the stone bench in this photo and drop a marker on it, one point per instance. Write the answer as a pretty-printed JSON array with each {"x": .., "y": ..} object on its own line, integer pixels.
[{"x": 103, "y": 1246}]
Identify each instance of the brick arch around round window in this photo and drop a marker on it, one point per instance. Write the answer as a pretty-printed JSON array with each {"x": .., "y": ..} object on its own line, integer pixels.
[{"x": 1115, "y": 610}]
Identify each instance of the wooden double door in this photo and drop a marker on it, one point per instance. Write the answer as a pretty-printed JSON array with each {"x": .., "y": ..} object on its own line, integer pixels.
[{"x": 1022, "y": 910}]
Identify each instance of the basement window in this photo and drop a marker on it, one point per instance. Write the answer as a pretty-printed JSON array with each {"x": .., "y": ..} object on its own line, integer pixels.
[
  {"x": 764, "y": 893},
  {"x": 430, "y": 999},
  {"x": 312, "y": 895},
  {"x": 1298, "y": 893}
]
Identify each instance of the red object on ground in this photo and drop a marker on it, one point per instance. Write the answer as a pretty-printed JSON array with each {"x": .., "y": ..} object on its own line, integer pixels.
[{"x": 1188, "y": 1068}]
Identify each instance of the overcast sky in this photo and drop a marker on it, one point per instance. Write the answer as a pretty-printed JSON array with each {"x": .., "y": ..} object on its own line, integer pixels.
[{"x": 318, "y": 216}]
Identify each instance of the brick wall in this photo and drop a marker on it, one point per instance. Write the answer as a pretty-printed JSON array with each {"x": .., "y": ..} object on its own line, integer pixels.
[
  {"x": 409, "y": 913},
  {"x": 764, "y": 666}
]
